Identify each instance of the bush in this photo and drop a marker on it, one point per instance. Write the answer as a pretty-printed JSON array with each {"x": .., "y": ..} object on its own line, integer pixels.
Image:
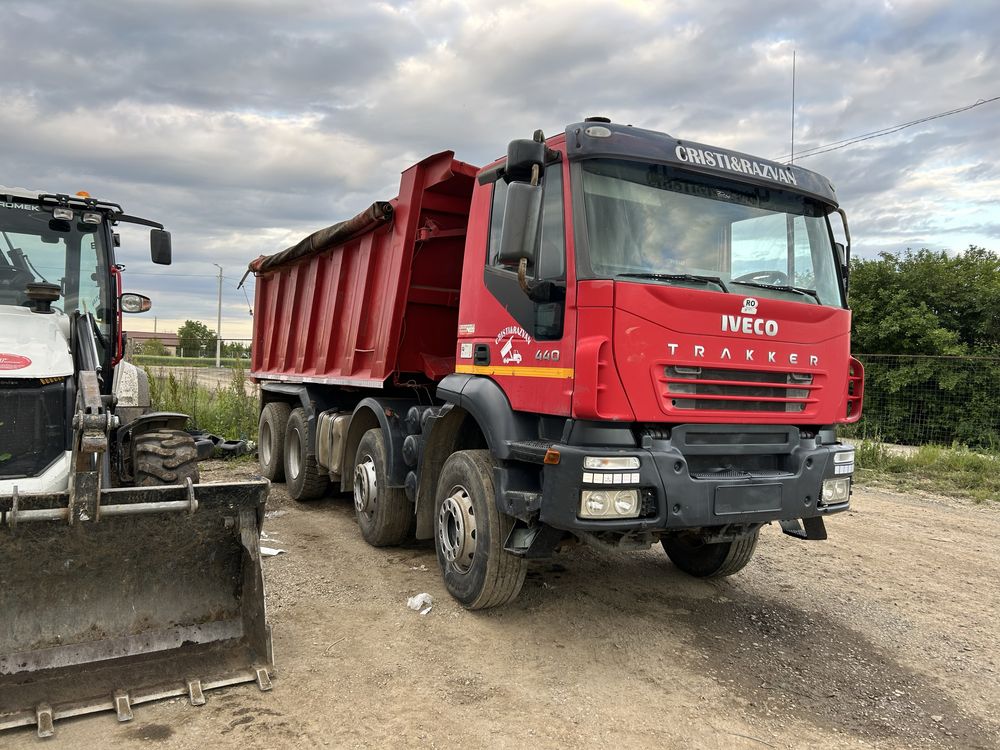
[
  {"x": 933, "y": 468},
  {"x": 228, "y": 411}
]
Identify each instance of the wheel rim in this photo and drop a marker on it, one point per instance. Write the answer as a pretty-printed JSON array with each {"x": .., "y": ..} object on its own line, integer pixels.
[
  {"x": 365, "y": 486},
  {"x": 457, "y": 529},
  {"x": 293, "y": 454},
  {"x": 265, "y": 443}
]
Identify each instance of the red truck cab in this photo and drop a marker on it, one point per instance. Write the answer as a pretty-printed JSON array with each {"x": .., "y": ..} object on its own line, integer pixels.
[{"x": 653, "y": 344}]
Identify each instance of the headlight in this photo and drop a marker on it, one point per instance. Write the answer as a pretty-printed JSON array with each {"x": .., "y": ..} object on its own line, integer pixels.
[
  {"x": 609, "y": 504},
  {"x": 836, "y": 491},
  {"x": 610, "y": 463}
]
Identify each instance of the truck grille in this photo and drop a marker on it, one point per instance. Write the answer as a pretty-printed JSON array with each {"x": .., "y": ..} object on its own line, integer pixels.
[
  {"x": 32, "y": 425},
  {"x": 722, "y": 389}
]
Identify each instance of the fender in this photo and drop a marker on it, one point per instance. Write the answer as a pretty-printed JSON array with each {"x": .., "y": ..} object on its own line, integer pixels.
[
  {"x": 490, "y": 407},
  {"x": 312, "y": 400},
  {"x": 389, "y": 414}
]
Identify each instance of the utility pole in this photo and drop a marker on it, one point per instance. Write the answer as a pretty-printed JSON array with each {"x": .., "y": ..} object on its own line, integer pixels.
[{"x": 218, "y": 324}]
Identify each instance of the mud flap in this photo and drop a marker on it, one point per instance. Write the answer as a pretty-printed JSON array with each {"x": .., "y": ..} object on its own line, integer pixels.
[{"x": 158, "y": 593}]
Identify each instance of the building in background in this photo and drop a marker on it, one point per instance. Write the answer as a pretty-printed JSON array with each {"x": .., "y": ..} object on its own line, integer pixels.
[{"x": 137, "y": 339}]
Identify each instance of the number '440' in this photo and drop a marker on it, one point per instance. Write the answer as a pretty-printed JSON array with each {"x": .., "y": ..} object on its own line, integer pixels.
[{"x": 547, "y": 355}]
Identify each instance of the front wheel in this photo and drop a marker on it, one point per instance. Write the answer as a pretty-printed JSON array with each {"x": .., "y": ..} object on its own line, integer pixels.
[
  {"x": 165, "y": 457},
  {"x": 702, "y": 560},
  {"x": 470, "y": 533}
]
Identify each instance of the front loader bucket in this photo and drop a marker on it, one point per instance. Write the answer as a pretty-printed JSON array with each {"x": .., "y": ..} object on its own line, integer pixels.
[{"x": 161, "y": 594}]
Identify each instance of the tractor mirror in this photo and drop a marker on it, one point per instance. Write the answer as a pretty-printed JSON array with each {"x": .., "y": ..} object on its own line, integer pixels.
[
  {"x": 134, "y": 303},
  {"x": 841, "y": 253},
  {"x": 521, "y": 216},
  {"x": 159, "y": 243}
]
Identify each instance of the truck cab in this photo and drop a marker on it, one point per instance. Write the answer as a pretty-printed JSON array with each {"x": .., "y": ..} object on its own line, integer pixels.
[{"x": 680, "y": 316}]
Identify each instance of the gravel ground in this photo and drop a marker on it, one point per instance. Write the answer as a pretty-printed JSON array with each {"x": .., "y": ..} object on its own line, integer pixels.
[{"x": 885, "y": 636}]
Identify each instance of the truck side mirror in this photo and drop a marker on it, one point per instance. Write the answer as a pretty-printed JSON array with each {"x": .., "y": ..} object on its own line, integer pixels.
[
  {"x": 841, "y": 253},
  {"x": 523, "y": 155},
  {"x": 844, "y": 249},
  {"x": 159, "y": 244},
  {"x": 521, "y": 218}
]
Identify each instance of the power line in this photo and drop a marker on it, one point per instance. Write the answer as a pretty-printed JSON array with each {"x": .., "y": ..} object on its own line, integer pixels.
[{"x": 844, "y": 143}]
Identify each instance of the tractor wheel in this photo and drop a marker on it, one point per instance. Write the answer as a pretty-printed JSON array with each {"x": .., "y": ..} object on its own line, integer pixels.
[
  {"x": 303, "y": 477},
  {"x": 470, "y": 533},
  {"x": 385, "y": 514},
  {"x": 709, "y": 560},
  {"x": 271, "y": 440},
  {"x": 164, "y": 457}
]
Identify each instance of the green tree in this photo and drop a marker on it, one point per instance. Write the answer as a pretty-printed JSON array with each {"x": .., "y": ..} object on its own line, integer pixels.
[
  {"x": 235, "y": 349},
  {"x": 936, "y": 305},
  {"x": 154, "y": 347},
  {"x": 927, "y": 302},
  {"x": 196, "y": 339}
]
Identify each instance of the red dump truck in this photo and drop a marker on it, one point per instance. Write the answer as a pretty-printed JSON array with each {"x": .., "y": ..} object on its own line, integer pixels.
[{"x": 612, "y": 336}]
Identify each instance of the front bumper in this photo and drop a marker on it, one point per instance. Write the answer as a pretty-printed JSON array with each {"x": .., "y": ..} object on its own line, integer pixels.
[{"x": 701, "y": 476}]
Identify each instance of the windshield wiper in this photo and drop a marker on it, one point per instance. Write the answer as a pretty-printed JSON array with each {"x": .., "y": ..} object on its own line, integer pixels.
[
  {"x": 782, "y": 288},
  {"x": 679, "y": 277}
]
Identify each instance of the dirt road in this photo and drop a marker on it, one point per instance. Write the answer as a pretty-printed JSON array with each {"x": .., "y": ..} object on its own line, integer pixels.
[{"x": 886, "y": 636}]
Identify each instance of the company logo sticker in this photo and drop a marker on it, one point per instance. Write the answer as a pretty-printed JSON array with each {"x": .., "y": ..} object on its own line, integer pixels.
[
  {"x": 749, "y": 306},
  {"x": 508, "y": 350},
  {"x": 13, "y": 361}
]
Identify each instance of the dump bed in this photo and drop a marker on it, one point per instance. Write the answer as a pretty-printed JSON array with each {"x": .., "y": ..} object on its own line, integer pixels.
[{"x": 372, "y": 297}]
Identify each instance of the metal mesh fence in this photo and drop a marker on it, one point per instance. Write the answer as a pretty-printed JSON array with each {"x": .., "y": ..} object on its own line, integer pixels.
[{"x": 916, "y": 400}]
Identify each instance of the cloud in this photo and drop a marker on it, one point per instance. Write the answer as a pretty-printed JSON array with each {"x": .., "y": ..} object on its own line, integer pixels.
[{"x": 244, "y": 125}]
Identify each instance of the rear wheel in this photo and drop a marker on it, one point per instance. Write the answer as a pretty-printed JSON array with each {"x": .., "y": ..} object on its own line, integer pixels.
[
  {"x": 385, "y": 514},
  {"x": 164, "y": 457},
  {"x": 271, "y": 440},
  {"x": 303, "y": 479},
  {"x": 702, "y": 560},
  {"x": 470, "y": 532}
]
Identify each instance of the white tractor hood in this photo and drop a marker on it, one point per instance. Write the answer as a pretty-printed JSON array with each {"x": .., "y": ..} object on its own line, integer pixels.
[{"x": 33, "y": 345}]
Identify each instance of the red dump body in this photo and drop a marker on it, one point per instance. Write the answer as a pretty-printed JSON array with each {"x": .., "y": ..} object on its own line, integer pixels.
[{"x": 383, "y": 303}]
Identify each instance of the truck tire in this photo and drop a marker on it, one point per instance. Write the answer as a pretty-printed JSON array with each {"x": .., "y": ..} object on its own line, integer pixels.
[
  {"x": 164, "y": 457},
  {"x": 385, "y": 515},
  {"x": 709, "y": 560},
  {"x": 470, "y": 533},
  {"x": 271, "y": 440},
  {"x": 303, "y": 479}
]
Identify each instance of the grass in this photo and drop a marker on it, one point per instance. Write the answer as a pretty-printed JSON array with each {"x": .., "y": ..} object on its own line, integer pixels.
[
  {"x": 153, "y": 360},
  {"x": 944, "y": 470},
  {"x": 227, "y": 410}
]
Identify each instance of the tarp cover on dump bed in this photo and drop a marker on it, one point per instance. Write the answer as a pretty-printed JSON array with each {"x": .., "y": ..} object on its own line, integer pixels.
[{"x": 376, "y": 214}]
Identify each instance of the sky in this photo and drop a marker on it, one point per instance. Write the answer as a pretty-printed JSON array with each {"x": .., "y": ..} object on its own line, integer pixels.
[{"x": 244, "y": 125}]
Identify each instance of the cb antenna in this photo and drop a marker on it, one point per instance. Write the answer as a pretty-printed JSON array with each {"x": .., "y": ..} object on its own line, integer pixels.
[{"x": 792, "y": 151}]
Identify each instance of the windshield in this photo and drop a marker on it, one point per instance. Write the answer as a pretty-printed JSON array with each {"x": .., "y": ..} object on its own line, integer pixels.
[
  {"x": 35, "y": 247},
  {"x": 649, "y": 221}
]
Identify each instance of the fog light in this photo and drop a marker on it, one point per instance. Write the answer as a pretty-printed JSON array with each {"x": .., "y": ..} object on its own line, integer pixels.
[
  {"x": 90, "y": 218},
  {"x": 610, "y": 462},
  {"x": 609, "y": 504},
  {"x": 62, "y": 213},
  {"x": 836, "y": 491}
]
